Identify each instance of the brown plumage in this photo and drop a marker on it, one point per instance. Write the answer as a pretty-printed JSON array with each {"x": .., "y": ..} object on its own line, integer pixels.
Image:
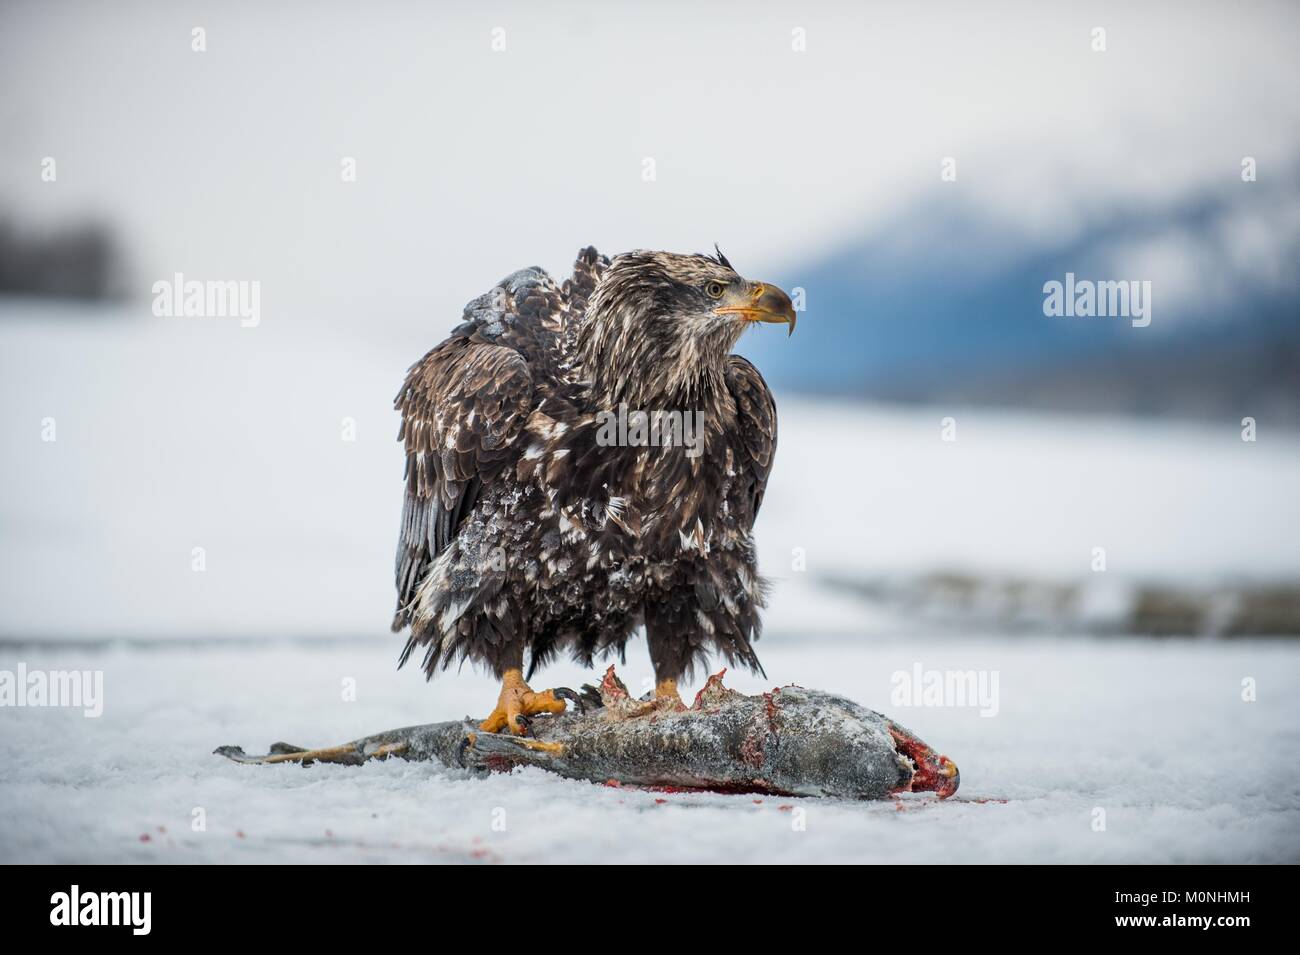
[{"x": 527, "y": 531}]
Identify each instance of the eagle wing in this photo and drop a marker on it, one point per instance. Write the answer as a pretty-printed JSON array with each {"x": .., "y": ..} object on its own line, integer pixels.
[
  {"x": 466, "y": 403},
  {"x": 463, "y": 408},
  {"x": 755, "y": 444}
]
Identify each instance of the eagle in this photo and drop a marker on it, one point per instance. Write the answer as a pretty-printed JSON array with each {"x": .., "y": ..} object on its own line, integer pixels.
[{"x": 583, "y": 461}]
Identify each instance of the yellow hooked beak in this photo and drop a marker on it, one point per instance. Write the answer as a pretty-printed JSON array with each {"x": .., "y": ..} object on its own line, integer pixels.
[{"x": 757, "y": 302}]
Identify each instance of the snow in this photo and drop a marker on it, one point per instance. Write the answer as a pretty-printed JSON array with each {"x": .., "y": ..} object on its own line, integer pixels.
[
  {"x": 174, "y": 435},
  {"x": 1153, "y": 733}
]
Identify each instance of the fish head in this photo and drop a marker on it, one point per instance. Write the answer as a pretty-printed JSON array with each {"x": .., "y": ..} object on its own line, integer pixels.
[
  {"x": 932, "y": 772},
  {"x": 829, "y": 745}
]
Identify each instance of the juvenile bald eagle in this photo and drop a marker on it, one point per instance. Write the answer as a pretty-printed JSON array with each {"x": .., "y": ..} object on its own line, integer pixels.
[{"x": 582, "y": 460}]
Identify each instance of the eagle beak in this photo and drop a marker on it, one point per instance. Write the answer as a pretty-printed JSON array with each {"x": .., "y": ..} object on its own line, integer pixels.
[{"x": 760, "y": 303}]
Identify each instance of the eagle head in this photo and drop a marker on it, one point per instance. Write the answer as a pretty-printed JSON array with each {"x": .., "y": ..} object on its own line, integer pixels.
[{"x": 660, "y": 325}]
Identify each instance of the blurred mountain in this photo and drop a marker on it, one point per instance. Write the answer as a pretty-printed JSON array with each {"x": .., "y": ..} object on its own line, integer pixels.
[
  {"x": 946, "y": 305},
  {"x": 83, "y": 260}
]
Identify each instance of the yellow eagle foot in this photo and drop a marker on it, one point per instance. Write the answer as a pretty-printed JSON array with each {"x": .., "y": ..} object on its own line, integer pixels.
[
  {"x": 517, "y": 702},
  {"x": 667, "y": 697}
]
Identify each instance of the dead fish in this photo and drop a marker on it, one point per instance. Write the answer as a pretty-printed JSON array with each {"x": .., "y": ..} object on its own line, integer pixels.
[{"x": 791, "y": 742}]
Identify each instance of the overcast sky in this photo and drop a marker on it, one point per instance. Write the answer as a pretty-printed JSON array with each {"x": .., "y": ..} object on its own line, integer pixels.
[{"x": 472, "y": 162}]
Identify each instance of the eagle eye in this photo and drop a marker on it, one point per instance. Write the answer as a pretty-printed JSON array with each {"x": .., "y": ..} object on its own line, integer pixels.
[{"x": 714, "y": 289}]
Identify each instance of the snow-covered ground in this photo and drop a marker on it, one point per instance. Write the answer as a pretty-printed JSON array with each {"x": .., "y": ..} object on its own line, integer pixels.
[
  {"x": 1155, "y": 734},
  {"x": 176, "y": 435}
]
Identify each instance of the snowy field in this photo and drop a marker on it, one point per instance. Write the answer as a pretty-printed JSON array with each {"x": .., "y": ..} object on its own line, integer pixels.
[
  {"x": 1153, "y": 733},
  {"x": 173, "y": 436}
]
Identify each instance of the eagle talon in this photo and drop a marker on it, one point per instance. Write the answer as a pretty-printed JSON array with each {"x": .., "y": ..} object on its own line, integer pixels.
[
  {"x": 564, "y": 693},
  {"x": 517, "y": 702}
]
